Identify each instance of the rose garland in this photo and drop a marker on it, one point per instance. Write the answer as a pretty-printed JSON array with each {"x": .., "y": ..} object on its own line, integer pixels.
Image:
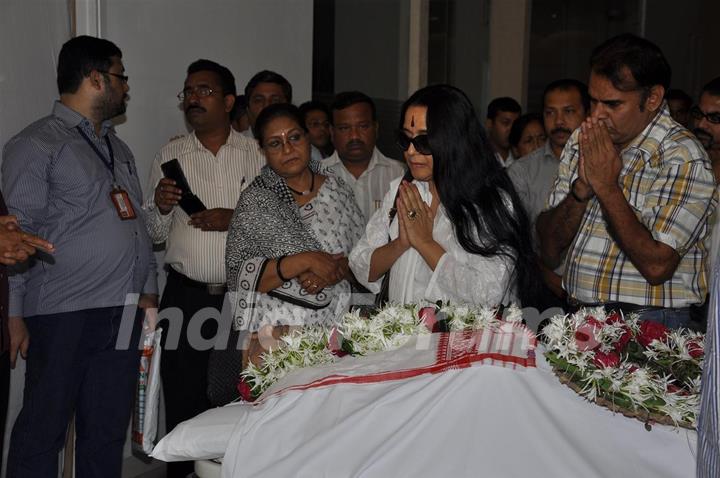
[
  {"x": 388, "y": 329},
  {"x": 640, "y": 368}
]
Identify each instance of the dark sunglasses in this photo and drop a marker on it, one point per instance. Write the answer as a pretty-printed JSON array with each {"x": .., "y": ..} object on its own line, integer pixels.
[
  {"x": 420, "y": 142},
  {"x": 697, "y": 114}
]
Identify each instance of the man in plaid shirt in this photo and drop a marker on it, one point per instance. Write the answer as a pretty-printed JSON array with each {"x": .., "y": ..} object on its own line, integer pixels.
[{"x": 630, "y": 208}]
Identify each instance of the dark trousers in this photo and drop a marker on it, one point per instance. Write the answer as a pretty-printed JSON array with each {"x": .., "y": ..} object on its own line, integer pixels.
[
  {"x": 4, "y": 395},
  {"x": 73, "y": 365},
  {"x": 183, "y": 367}
]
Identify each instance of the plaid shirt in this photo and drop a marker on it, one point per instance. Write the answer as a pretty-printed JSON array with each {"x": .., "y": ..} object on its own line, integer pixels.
[{"x": 668, "y": 181}]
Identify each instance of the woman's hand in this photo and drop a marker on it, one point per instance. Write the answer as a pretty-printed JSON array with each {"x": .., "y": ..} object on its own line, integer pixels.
[
  {"x": 414, "y": 216},
  {"x": 324, "y": 266},
  {"x": 311, "y": 282}
]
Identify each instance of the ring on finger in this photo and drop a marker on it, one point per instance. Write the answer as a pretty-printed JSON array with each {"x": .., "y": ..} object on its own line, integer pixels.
[{"x": 412, "y": 214}]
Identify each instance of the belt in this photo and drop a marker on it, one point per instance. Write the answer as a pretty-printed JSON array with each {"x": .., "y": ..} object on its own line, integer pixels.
[
  {"x": 211, "y": 289},
  {"x": 624, "y": 306}
]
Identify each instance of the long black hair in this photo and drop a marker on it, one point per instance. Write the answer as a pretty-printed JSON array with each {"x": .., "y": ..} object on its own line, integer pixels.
[{"x": 476, "y": 192}]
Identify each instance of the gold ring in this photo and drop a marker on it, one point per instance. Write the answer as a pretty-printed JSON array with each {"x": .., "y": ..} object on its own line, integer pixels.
[{"x": 412, "y": 214}]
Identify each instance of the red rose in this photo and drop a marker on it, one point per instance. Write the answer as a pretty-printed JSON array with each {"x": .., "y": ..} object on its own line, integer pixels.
[
  {"x": 427, "y": 315},
  {"x": 245, "y": 390},
  {"x": 606, "y": 360},
  {"x": 613, "y": 317},
  {"x": 650, "y": 331},
  {"x": 695, "y": 349},
  {"x": 593, "y": 321},
  {"x": 623, "y": 340}
]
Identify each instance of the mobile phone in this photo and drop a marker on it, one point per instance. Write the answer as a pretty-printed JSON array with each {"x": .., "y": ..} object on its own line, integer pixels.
[{"x": 189, "y": 202}]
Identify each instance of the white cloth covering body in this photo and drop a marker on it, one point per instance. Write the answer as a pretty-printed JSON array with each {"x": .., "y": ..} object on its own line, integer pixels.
[
  {"x": 459, "y": 277},
  {"x": 372, "y": 185},
  {"x": 479, "y": 421}
]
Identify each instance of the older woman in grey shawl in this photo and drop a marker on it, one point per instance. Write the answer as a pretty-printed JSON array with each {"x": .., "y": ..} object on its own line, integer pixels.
[{"x": 290, "y": 235}]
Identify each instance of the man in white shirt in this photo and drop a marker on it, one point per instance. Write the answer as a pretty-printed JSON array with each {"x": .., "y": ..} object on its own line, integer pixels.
[
  {"x": 501, "y": 114},
  {"x": 566, "y": 104},
  {"x": 356, "y": 159},
  {"x": 217, "y": 162}
]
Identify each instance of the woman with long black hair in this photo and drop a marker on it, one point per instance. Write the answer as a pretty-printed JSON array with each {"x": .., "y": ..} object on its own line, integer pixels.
[{"x": 455, "y": 229}]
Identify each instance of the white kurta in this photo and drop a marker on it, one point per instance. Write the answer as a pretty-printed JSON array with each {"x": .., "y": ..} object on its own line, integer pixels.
[{"x": 459, "y": 277}]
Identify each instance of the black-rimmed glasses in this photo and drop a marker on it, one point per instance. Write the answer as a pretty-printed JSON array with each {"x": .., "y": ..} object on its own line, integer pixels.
[
  {"x": 122, "y": 78},
  {"x": 698, "y": 115},
  {"x": 200, "y": 92}
]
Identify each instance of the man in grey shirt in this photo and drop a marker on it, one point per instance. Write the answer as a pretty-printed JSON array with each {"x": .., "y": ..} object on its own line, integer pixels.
[
  {"x": 566, "y": 103},
  {"x": 69, "y": 178}
]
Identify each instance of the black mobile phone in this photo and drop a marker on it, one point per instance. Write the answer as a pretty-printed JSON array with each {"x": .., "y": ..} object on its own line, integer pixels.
[{"x": 189, "y": 202}]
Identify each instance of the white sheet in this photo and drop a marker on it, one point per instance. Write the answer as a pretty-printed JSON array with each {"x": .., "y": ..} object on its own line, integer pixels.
[{"x": 478, "y": 421}]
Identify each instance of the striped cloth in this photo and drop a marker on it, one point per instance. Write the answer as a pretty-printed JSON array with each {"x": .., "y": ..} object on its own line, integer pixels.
[
  {"x": 217, "y": 180},
  {"x": 667, "y": 180},
  {"x": 708, "y": 457},
  {"x": 508, "y": 345}
]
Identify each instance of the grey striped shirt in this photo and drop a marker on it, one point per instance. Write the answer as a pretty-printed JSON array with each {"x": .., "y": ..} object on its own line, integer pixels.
[{"x": 59, "y": 189}]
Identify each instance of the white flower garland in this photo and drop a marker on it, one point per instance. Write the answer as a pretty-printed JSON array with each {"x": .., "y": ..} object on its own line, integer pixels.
[
  {"x": 638, "y": 385},
  {"x": 388, "y": 329}
]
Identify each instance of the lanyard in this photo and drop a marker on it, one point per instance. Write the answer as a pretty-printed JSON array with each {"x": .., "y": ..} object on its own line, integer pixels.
[{"x": 109, "y": 163}]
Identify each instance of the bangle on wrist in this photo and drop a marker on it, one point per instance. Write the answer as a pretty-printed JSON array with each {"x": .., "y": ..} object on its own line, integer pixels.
[
  {"x": 277, "y": 270},
  {"x": 574, "y": 194}
]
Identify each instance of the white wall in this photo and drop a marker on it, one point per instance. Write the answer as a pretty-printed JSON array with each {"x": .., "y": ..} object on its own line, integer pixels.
[
  {"x": 31, "y": 33},
  {"x": 160, "y": 38}
]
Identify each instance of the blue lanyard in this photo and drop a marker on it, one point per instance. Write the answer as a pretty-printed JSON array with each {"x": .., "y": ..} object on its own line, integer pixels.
[{"x": 109, "y": 163}]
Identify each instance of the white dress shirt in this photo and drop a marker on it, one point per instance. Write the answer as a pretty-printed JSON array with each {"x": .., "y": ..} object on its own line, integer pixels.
[
  {"x": 372, "y": 185},
  {"x": 217, "y": 181},
  {"x": 459, "y": 277},
  {"x": 533, "y": 177},
  {"x": 505, "y": 163}
]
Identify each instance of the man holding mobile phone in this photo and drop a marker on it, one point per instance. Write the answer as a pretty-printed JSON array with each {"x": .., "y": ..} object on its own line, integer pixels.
[{"x": 217, "y": 163}]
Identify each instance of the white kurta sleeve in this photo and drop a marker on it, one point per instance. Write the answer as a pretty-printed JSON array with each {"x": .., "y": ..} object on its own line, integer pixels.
[{"x": 376, "y": 235}]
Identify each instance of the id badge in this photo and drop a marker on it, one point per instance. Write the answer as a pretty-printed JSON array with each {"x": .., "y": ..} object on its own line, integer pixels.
[{"x": 122, "y": 203}]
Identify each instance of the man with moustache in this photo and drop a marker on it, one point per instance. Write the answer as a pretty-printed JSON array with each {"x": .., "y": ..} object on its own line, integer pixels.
[
  {"x": 69, "y": 178},
  {"x": 706, "y": 118},
  {"x": 356, "y": 159},
  {"x": 634, "y": 193},
  {"x": 218, "y": 163},
  {"x": 565, "y": 105},
  {"x": 706, "y": 122}
]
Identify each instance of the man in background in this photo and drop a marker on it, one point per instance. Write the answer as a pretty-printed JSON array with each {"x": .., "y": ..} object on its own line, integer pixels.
[
  {"x": 501, "y": 114},
  {"x": 317, "y": 121},
  {"x": 357, "y": 160}
]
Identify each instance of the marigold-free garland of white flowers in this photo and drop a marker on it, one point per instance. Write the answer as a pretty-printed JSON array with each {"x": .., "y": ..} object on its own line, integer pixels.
[
  {"x": 639, "y": 368},
  {"x": 388, "y": 329}
]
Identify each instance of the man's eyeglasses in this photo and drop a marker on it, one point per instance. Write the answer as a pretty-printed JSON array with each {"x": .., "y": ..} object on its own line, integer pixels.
[
  {"x": 200, "y": 92},
  {"x": 122, "y": 78},
  {"x": 421, "y": 143},
  {"x": 276, "y": 144},
  {"x": 698, "y": 115}
]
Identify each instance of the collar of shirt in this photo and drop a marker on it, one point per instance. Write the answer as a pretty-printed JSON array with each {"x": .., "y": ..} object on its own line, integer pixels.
[
  {"x": 548, "y": 152},
  {"x": 71, "y": 118},
  {"x": 335, "y": 160},
  {"x": 234, "y": 140},
  {"x": 648, "y": 142}
]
